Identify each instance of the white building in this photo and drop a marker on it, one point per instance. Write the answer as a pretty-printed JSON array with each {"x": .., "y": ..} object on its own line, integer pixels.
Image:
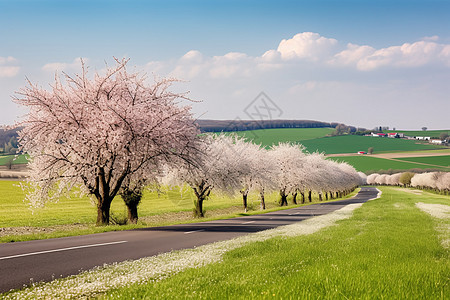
[
  {"x": 438, "y": 142},
  {"x": 423, "y": 138}
]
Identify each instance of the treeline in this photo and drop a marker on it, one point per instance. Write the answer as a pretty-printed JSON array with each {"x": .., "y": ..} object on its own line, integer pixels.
[
  {"x": 235, "y": 125},
  {"x": 241, "y": 125},
  {"x": 8, "y": 140}
]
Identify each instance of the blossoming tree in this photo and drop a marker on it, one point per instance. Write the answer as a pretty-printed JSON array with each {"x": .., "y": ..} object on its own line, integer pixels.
[
  {"x": 217, "y": 167},
  {"x": 289, "y": 159},
  {"x": 100, "y": 134}
]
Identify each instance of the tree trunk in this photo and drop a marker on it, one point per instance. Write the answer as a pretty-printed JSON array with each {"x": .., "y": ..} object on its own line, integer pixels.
[
  {"x": 132, "y": 197},
  {"x": 303, "y": 197},
  {"x": 198, "y": 211},
  {"x": 103, "y": 208},
  {"x": 294, "y": 197},
  {"x": 244, "y": 200},
  {"x": 309, "y": 196},
  {"x": 283, "y": 199},
  {"x": 326, "y": 195},
  {"x": 263, "y": 202},
  {"x": 202, "y": 192},
  {"x": 132, "y": 214},
  {"x": 320, "y": 196}
]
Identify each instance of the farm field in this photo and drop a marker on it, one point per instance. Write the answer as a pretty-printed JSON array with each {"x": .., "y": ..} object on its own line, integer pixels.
[
  {"x": 315, "y": 139},
  {"x": 430, "y": 133},
  {"x": 433, "y": 160},
  {"x": 369, "y": 163},
  {"x": 268, "y": 137},
  {"x": 354, "y": 143},
  {"x": 388, "y": 249},
  {"x": 21, "y": 159},
  {"x": 75, "y": 215}
]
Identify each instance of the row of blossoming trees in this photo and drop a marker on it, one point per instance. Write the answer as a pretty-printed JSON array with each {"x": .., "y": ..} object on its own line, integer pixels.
[
  {"x": 229, "y": 164},
  {"x": 113, "y": 134},
  {"x": 438, "y": 181}
]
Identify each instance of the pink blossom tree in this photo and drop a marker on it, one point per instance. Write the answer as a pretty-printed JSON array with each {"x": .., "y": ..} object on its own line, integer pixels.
[
  {"x": 101, "y": 134},
  {"x": 217, "y": 167},
  {"x": 289, "y": 160}
]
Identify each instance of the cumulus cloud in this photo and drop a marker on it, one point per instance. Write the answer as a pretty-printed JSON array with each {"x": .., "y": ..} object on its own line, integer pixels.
[
  {"x": 304, "y": 49},
  {"x": 307, "y": 45},
  {"x": 352, "y": 55},
  {"x": 8, "y": 67},
  {"x": 433, "y": 38},
  {"x": 63, "y": 66},
  {"x": 194, "y": 64},
  {"x": 406, "y": 55}
]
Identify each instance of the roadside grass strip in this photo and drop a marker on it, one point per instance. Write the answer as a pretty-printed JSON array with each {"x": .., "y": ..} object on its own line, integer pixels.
[
  {"x": 441, "y": 212},
  {"x": 153, "y": 269},
  {"x": 388, "y": 249}
]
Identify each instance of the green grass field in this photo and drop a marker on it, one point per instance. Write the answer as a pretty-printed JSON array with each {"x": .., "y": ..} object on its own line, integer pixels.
[
  {"x": 21, "y": 159},
  {"x": 430, "y": 133},
  {"x": 389, "y": 249},
  {"x": 315, "y": 139},
  {"x": 432, "y": 160},
  {"x": 365, "y": 163},
  {"x": 268, "y": 137},
  {"x": 354, "y": 143}
]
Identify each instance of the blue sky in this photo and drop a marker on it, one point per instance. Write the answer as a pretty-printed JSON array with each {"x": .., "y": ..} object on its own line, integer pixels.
[{"x": 326, "y": 70}]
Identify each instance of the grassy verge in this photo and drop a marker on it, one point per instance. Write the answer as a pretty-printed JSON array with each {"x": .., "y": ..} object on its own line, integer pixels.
[
  {"x": 389, "y": 249},
  {"x": 76, "y": 216}
]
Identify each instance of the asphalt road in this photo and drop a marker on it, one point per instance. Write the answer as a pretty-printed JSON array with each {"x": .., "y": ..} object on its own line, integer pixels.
[{"x": 22, "y": 263}]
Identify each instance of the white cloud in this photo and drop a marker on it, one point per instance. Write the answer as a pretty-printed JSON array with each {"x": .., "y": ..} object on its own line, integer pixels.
[
  {"x": 407, "y": 55},
  {"x": 8, "y": 67},
  {"x": 315, "y": 77},
  {"x": 352, "y": 55},
  {"x": 304, "y": 49},
  {"x": 433, "y": 38},
  {"x": 9, "y": 59},
  {"x": 193, "y": 56},
  {"x": 9, "y": 71},
  {"x": 62, "y": 66},
  {"x": 307, "y": 45}
]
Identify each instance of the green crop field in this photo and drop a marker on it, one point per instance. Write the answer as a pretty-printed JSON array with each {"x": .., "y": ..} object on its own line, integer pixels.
[
  {"x": 268, "y": 137},
  {"x": 20, "y": 159},
  {"x": 430, "y": 133},
  {"x": 355, "y": 143},
  {"x": 367, "y": 163},
  {"x": 432, "y": 160}
]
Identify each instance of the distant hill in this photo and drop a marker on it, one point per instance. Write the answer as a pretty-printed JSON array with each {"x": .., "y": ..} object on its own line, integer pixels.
[{"x": 241, "y": 125}]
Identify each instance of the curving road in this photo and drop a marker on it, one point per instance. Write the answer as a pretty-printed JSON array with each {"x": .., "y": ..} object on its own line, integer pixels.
[{"x": 25, "y": 262}]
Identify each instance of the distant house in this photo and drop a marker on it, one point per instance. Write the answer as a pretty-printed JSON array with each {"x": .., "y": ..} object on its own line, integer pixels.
[
  {"x": 438, "y": 142},
  {"x": 379, "y": 134},
  {"x": 393, "y": 135},
  {"x": 382, "y": 134},
  {"x": 423, "y": 138}
]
